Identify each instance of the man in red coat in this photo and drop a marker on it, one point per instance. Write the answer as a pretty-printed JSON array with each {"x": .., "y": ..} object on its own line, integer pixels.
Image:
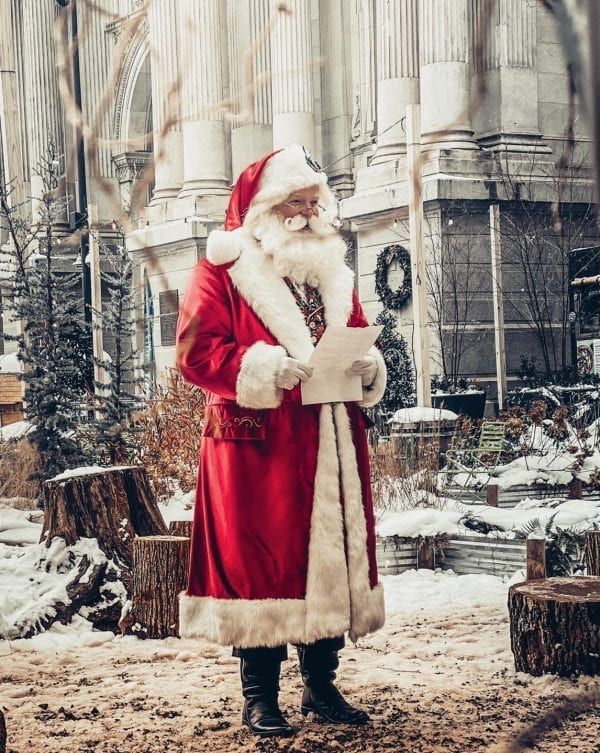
[{"x": 283, "y": 544}]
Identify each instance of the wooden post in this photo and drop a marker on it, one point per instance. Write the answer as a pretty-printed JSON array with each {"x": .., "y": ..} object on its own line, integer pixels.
[
  {"x": 536, "y": 559},
  {"x": 493, "y": 495},
  {"x": 496, "y": 248},
  {"x": 96, "y": 304},
  {"x": 576, "y": 489},
  {"x": 426, "y": 554},
  {"x": 417, "y": 255},
  {"x": 592, "y": 552}
]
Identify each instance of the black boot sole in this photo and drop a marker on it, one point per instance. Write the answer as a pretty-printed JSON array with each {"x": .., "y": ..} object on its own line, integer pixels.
[
  {"x": 281, "y": 732},
  {"x": 322, "y": 716}
]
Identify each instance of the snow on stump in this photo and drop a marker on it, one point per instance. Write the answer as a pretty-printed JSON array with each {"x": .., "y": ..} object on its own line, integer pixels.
[
  {"x": 160, "y": 569},
  {"x": 592, "y": 552},
  {"x": 555, "y": 626},
  {"x": 112, "y": 505}
]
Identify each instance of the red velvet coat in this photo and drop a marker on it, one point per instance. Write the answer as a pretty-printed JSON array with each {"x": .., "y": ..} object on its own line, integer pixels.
[{"x": 283, "y": 544}]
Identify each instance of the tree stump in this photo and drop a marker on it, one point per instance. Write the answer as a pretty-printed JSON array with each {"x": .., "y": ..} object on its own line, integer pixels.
[
  {"x": 181, "y": 528},
  {"x": 2, "y": 733},
  {"x": 555, "y": 626},
  {"x": 592, "y": 552},
  {"x": 160, "y": 570},
  {"x": 112, "y": 506}
]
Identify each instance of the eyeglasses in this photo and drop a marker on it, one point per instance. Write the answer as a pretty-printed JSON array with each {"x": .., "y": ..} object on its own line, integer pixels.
[{"x": 299, "y": 204}]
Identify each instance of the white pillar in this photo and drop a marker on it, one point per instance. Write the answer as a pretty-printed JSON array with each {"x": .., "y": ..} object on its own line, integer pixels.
[
  {"x": 252, "y": 131},
  {"x": 335, "y": 93},
  {"x": 94, "y": 63},
  {"x": 363, "y": 72},
  {"x": 508, "y": 120},
  {"x": 166, "y": 109},
  {"x": 445, "y": 79},
  {"x": 397, "y": 73},
  {"x": 291, "y": 66},
  {"x": 43, "y": 102},
  {"x": 205, "y": 147}
]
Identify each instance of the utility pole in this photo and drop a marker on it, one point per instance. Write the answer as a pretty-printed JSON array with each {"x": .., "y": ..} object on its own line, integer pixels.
[
  {"x": 417, "y": 256},
  {"x": 496, "y": 247}
]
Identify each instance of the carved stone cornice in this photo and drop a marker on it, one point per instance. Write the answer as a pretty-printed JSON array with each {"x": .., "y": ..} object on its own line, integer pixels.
[{"x": 131, "y": 165}]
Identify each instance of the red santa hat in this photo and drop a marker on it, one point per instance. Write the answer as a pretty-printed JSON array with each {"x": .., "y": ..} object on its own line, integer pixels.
[{"x": 261, "y": 186}]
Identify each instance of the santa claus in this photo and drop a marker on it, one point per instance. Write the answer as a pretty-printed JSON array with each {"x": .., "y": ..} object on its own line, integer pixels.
[{"x": 283, "y": 543}]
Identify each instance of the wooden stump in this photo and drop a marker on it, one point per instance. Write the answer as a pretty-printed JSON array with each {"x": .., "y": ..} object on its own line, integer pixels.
[
  {"x": 181, "y": 528},
  {"x": 555, "y": 626},
  {"x": 112, "y": 506},
  {"x": 2, "y": 733},
  {"x": 592, "y": 552},
  {"x": 160, "y": 569}
]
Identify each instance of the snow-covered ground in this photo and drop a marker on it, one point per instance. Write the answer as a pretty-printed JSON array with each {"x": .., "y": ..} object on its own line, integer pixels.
[{"x": 438, "y": 677}]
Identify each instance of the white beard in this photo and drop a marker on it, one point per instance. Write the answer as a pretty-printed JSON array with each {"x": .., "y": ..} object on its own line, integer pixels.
[{"x": 303, "y": 255}]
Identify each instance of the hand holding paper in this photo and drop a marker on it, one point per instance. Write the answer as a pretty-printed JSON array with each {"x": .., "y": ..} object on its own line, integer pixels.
[{"x": 334, "y": 356}]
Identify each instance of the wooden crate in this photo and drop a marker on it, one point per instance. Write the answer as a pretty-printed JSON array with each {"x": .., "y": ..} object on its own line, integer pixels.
[
  {"x": 395, "y": 556},
  {"x": 482, "y": 554}
]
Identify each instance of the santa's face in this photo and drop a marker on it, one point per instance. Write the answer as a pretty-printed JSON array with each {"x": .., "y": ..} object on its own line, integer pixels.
[
  {"x": 300, "y": 204},
  {"x": 302, "y": 243}
]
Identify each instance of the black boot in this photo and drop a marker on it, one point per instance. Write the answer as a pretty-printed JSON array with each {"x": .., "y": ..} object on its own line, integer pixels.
[
  {"x": 259, "y": 670},
  {"x": 318, "y": 663}
]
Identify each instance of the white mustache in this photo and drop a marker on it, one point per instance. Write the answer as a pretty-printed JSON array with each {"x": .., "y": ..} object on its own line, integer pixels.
[{"x": 299, "y": 222}]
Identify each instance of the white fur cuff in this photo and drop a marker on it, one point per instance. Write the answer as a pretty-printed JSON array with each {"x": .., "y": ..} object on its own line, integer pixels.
[
  {"x": 255, "y": 387},
  {"x": 223, "y": 246},
  {"x": 374, "y": 392}
]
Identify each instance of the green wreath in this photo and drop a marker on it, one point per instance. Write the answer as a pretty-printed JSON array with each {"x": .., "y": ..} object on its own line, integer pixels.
[{"x": 393, "y": 299}]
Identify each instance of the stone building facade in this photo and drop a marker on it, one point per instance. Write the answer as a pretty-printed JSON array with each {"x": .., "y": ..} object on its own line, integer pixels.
[{"x": 170, "y": 81}]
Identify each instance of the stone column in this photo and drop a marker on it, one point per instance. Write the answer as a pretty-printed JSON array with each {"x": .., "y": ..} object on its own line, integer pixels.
[
  {"x": 252, "y": 131},
  {"x": 291, "y": 67},
  {"x": 509, "y": 118},
  {"x": 364, "y": 74},
  {"x": 397, "y": 73},
  {"x": 206, "y": 169},
  {"x": 45, "y": 119},
  {"x": 166, "y": 99},
  {"x": 335, "y": 93},
  {"x": 445, "y": 79},
  {"x": 20, "y": 91}
]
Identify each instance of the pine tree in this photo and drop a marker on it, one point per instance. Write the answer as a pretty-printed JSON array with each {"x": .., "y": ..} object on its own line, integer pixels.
[
  {"x": 117, "y": 397},
  {"x": 45, "y": 298},
  {"x": 400, "y": 390}
]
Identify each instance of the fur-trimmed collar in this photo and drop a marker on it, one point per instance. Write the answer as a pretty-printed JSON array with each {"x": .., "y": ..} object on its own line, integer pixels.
[{"x": 269, "y": 297}]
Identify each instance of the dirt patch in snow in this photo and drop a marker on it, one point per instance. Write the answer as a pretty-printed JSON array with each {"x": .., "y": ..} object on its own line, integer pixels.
[{"x": 431, "y": 683}]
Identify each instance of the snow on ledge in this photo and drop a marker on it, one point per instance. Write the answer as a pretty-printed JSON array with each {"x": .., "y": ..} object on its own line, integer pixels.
[{"x": 414, "y": 415}]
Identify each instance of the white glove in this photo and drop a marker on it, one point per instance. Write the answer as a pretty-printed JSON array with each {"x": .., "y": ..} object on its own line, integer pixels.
[
  {"x": 366, "y": 368},
  {"x": 290, "y": 372}
]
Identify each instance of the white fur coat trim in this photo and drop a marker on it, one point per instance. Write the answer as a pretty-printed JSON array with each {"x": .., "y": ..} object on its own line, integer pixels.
[
  {"x": 374, "y": 392},
  {"x": 255, "y": 386},
  {"x": 223, "y": 246}
]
